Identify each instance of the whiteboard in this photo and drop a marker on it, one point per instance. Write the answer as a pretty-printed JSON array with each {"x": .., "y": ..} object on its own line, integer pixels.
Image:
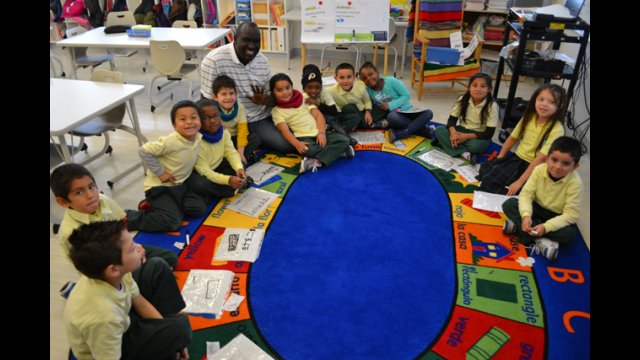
[{"x": 348, "y": 21}]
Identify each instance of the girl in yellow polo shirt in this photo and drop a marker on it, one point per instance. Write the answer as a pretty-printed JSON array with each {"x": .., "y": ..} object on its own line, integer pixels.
[
  {"x": 540, "y": 125},
  {"x": 304, "y": 127}
]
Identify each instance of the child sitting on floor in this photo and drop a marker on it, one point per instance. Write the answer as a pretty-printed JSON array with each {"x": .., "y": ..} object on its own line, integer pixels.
[
  {"x": 549, "y": 204},
  {"x": 303, "y": 126}
]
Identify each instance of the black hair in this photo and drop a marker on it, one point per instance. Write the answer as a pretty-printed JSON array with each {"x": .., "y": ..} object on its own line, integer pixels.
[
  {"x": 97, "y": 245},
  {"x": 344, "y": 66},
  {"x": 182, "y": 104},
  {"x": 567, "y": 145},
  {"x": 63, "y": 176},
  {"x": 223, "y": 81},
  {"x": 368, "y": 65},
  {"x": 560, "y": 98},
  {"x": 464, "y": 99},
  {"x": 277, "y": 77}
]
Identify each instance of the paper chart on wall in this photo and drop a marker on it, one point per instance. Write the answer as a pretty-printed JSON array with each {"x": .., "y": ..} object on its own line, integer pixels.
[
  {"x": 331, "y": 21},
  {"x": 318, "y": 21}
]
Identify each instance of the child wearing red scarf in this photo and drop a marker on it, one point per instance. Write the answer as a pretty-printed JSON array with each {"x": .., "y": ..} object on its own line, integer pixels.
[{"x": 304, "y": 127}]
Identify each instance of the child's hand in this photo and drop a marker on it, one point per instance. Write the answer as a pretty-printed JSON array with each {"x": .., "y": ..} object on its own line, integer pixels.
[
  {"x": 241, "y": 153},
  {"x": 312, "y": 101},
  {"x": 183, "y": 355},
  {"x": 368, "y": 118},
  {"x": 514, "y": 188},
  {"x": 537, "y": 231},
  {"x": 321, "y": 139},
  {"x": 258, "y": 95},
  {"x": 166, "y": 176},
  {"x": 236, "y": 182},
  {"x": 142, "y": 252},
  {"x": 301, "y": 147},
  {"x": 384, "y": 106}
]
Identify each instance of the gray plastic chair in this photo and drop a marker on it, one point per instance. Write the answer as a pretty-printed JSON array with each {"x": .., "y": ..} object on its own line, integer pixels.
[
  {"x": 81, "y": 59},
  {"x": 109, "y": 121}
]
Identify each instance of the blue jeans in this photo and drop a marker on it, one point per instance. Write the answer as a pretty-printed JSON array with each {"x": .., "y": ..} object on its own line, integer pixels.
[{"x": 412, "y": 123}]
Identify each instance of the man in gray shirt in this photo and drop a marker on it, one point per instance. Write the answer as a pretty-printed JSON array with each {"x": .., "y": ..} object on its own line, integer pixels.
[{"x": 249, "y": 69}]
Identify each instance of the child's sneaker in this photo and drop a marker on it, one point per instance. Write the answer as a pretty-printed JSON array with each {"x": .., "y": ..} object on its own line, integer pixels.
[
  {"x": 349, "y": 153},
  {"x": 469, "y": 157},
  {"x": 392, "y": 136},
  {"x": 145, "y": 206},
  {"x": 66, "y": 289},
  {"x": 509, "y": 226},
  {"x": 431, "y": 130},
  {"x": 382, "y": 124},
  {"x": 547, "y": 248},
  {"x": 309, "y": 164}
]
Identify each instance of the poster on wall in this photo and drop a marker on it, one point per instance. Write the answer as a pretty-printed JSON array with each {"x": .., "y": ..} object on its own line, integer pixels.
[{"x": 352, "y": 21}]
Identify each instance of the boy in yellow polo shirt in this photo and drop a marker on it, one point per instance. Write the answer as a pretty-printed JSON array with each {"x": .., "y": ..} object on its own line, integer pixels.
[
  {"x": 549, "y": 203},
  {"x": 169, "y": 162},
  {"x": 351, "y": 97},
  {"x": 109, "y": 315}
]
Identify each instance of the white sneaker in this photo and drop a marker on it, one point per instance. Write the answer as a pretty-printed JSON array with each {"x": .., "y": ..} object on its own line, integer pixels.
[
  {"x": 547, "y": 248},
  {"x": 309, "y": 163}
]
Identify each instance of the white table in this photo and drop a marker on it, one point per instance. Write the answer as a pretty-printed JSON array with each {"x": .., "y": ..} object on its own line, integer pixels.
[
  {"x": 75, "y": 102},
  {"x": 189, "y": 38}
]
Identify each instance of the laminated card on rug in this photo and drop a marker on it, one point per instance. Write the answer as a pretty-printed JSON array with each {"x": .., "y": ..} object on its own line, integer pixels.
[
  {"x": 252, "y": 202},
  {"x": 368, "y": 137},
  {"x": 239, "y": 244},
  {"x": 489, "y": 201},
  {"x": 205, "y": 291},
  {"x": 261, "y": 172},
  {"x": 241, "y": 347},
  {"x": 440, "y": 159}
]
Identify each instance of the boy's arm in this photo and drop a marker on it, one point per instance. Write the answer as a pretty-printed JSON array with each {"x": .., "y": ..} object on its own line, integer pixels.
[
  {"x": 145, "y": 309},
  {"x": 571, "y": 211},
  {"x": 230, "y": 152},
  {"x": 203, "y": 168},
  {"x": 152, "y": 163},
  {"x": 525, "y": 201}
]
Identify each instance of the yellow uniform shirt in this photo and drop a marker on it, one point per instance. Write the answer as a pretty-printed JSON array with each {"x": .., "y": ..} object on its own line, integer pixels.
[
  {"x": 357, "y": 95},
  {"x": 299, "y": 120},
  {"x": 108, "y": 210},
  {"x": 176, "y": 154},
  {"x": 96, "y": 316},
  {"x": 533, "y": 135},
  {"x": 562, "y": 197},
  {"x": 238, "y": 125},
  {"x": 473, "y": 116},
  {"x": 211, "y": 156}
]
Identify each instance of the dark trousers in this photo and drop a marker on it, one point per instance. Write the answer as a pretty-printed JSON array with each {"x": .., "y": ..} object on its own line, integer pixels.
[
  {"x": 539, "y": 216},
  {"x": 264, "y": 133},
  {"x": 170, "y": 204},
  {"x": 474, "y": 146},
  {"x": 412, "y": 123},
  {"x": 157, "y": 338},
  {"x": 210, "y": 190},
  {"x": 354, "y": 118},
  {"x": 336, "y": 145}
]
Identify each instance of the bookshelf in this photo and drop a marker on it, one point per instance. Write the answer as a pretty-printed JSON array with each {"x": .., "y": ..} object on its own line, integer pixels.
[{"x": 267, "y": 14}]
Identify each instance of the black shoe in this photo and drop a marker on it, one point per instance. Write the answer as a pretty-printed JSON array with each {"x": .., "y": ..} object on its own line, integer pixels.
[
  {"x": 353, "y": 142},
  {"x": 435, "y": 142},
  {"x": 248, "y": 182}
]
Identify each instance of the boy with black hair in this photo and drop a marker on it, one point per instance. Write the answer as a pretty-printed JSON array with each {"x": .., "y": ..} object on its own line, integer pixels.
[
  {"x": 350, "y": 95},
  {"x": 169, "y": 162},
  {"x": 75, "y": 190},
  {"x": 110, "y": 316},
  {"x": 549, "y": 204}
]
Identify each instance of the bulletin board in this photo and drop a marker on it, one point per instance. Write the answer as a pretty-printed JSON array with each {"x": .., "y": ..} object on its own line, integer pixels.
[{"x": 352, "y": 21}]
